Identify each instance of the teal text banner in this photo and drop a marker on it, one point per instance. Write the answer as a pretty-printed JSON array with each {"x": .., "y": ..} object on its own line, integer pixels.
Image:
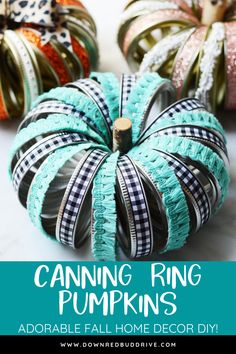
[{"x": 136, "y": 298}]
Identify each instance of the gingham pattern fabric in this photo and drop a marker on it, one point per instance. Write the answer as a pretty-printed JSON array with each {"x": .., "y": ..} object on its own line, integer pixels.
[
  {"x": 126, "y": 86},
  {"x": 92, "y": 89},
  {"x": 141, "y": 236},
  {"x": 192, "y": 184},
  {"x": 187, "y": 104},
  {"x": 194, "y": 132},
  {"x": 80, "y": 183},
  {"x": 48, "y": 145},
  {"x": 58, "y": 107}
]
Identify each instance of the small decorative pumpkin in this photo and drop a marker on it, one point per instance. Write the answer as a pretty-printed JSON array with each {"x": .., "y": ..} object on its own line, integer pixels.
[
  {"x": 190, "y": 41},
  {"x": 147, "y": 180},
  {"x": 43, "y": 44}
]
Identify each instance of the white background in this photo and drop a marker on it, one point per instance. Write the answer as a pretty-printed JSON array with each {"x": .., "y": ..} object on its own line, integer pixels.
[{"x": 19, "y": 240}]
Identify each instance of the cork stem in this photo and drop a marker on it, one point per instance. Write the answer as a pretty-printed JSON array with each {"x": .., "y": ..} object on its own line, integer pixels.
[
  {"x": 122, "y": 135},
  {"x": 213, "y": 11}
]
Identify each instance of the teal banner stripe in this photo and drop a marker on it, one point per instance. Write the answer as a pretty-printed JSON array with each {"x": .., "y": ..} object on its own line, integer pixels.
[{"x": 136, "y": 298}]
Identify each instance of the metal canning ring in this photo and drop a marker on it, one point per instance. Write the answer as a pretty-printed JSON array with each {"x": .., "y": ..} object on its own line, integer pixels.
[
  {"x": 87, "y": 37},
  {"x": 72, "y": 62},
  {"x": 42, "y": 111},
  {"x": 51, "y": 52},
  {"x": 140, "y": 8},
  {"x": 184, "y": 105},
  {"x": 54, "y": 195},
  {"x": 199, "y": 198},
  {"x": 24, "y": 61},
  {"x": 80, "y": 12},
  {"x": 185, "y": 59},
  {"x": 22, "y": 86},
  {"x": 138, "y": 213},
  {"x": 94, "y": 91},
  {"x": 81, "y": 53},
  {"x": 157, "y": 210},
  {"x": 162, "y": 98},
  {"x": 209, "y": 181},
  {"x": 141, "y": 28},
  {"x": 68, "y": 230},
  {"x": 36, "y": 154},
  {"x": 47, "y": 107},
  {"x": 208, "y": 137}
]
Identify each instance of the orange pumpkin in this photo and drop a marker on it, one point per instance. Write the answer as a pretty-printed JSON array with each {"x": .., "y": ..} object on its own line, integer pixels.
[{"x": 43, "y": 44}]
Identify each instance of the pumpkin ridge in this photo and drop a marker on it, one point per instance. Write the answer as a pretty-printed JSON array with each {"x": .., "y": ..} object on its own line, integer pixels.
[
  {"x": 104, "y": 211},
  {"x": 53, "y": 123},
  {"x": 203, "y": 119},
  {"x": 197, "y": 152},
  {"x": 168, "y": 184},
  {"x": 139, "y": 99},
  {"x": 79, "y": 100},
  {"x": 45, "y": 176},
  {"x": 110, "y": 86}
]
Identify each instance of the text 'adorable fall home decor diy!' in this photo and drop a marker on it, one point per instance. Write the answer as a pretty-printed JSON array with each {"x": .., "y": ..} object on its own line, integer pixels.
[
  {"x": 146, "y": 180},
  {"x": 43, "y": 44},
  {"x": 190, "y": 41}
]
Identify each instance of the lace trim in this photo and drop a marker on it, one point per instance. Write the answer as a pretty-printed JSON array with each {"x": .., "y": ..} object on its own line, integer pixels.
[
  {"x": 211, "y": 51},
  {"x": 104, "y": 211}
]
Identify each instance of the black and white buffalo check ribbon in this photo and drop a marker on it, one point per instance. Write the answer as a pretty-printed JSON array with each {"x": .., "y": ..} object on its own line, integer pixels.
[
  {"x": 192, "y": 184},
  {"x": 126, "y": 86},
  {"x": 185, "y": 105},
  {"x": 140, "y": 227},
  {"x": 41, "y": 150},
  {"x": 95, "y": 92},
  {"x": 192, "y": 131},
  {"x": 75, "y": 195},
  {"x": 57, "y": 107}
]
